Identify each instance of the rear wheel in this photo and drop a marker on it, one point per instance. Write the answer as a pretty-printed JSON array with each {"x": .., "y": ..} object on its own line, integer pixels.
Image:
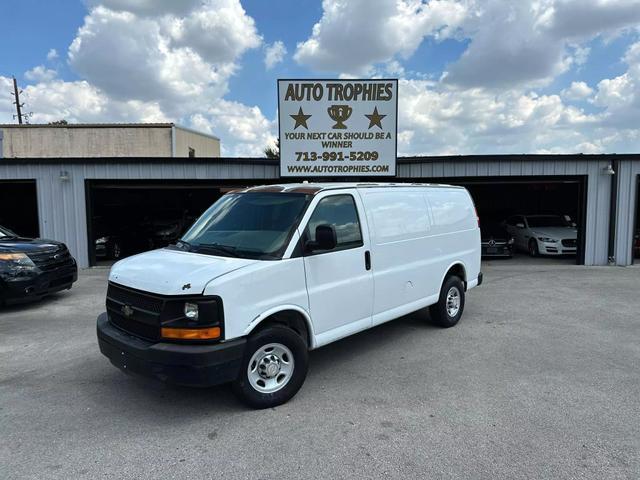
[
  {"x": 533, "y": 248},
  {"x": 273, "y": 369},
  {"x": 447, "y": 312}
]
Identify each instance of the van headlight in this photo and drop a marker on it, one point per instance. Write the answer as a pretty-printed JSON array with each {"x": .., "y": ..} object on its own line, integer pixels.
[
  {"x": 547, "y": 239},
  {"x": 14, "y": 264},
  {"x": 191, "y": 310},
  {"x": 193, "y": 318}
]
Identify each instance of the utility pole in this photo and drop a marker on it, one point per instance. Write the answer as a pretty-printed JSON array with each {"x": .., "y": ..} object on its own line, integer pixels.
[{"x": 16, "y": 93}]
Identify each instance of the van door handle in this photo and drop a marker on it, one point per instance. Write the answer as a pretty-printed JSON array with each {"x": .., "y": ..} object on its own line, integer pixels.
[{"x": 367, "y": 260}]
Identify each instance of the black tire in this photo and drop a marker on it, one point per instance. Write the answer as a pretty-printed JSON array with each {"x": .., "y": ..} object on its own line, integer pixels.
[
  {"x": 439, "y": 312},
  {"x": 243, "y": 387},
  {"x": 533, "y": 248}
]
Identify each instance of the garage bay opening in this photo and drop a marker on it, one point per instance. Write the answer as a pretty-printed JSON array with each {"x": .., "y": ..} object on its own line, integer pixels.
[
  {"x": 19, "y": 207},
  {"x": 127, "y": 217}
]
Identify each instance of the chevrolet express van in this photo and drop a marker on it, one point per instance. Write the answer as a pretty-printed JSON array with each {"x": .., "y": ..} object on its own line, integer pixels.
[{"x": 268, "y": 273}]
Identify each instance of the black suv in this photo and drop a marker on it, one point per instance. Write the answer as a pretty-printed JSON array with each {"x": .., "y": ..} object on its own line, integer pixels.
[{"x": 32, "y": 268}]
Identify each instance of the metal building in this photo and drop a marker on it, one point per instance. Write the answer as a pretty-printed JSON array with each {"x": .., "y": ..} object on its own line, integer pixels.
[
  {"x": 105, "y": 140},
  {"x": 601, "y": 191}
]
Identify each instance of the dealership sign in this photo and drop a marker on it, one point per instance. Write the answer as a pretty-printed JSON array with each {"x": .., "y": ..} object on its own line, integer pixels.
[{"x": 337, "y": 127}]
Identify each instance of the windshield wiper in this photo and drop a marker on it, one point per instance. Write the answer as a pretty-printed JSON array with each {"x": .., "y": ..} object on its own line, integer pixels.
[
  {"x": 216, "y": 247},
  {"x": 182, "y": 245}
]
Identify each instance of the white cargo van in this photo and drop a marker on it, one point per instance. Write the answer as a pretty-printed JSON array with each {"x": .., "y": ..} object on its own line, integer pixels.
[{"x": 268, "y": 273}]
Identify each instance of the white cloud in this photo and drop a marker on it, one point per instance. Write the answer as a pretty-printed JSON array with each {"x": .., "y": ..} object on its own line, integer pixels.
[
  {"x": 40, "y": 74},
  {"x": 439, "y": 119},
  {"x": 141, "y": 64},
  {"x": 144, "y": 61},
  {"x": 79, "y": 102},
  {"x": 159, "y": 60},
  {"x": 354, "y": 35},
  {"x": 149, "y": 7},
  {"x": 581, "y": 55},
  {"x": 274, "y": 54},
  {"x": 528, "y": 42},
  {"x": 247, "y": 125},
  {"x": 577, "y": 91},
  {"x": 220, "y": 31},
  {"x": 585, "y": 18},
  {"x": 52, "y": 54},
  {"x": 620, "y": 96}
]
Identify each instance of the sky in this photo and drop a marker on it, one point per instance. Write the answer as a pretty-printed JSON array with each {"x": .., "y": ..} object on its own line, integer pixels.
[{"x": 475, "y": 76}]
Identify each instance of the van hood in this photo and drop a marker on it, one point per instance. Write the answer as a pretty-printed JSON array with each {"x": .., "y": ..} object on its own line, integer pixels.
[
  {"x": 559, "y": 233},
  {"x": 172, "y": 272}
]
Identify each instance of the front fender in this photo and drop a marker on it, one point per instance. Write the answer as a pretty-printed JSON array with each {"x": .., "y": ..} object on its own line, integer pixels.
[{"x": 282, "y": 308}]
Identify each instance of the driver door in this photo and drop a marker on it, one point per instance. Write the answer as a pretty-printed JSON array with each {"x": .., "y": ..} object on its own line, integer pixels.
[{"x": 340, "y": 280}]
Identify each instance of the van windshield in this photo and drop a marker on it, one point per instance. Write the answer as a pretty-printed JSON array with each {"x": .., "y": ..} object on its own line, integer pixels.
[{"x": 247, "y": 225}]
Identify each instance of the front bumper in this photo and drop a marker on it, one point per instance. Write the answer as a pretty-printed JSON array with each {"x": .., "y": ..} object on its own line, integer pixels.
[
  {"x": 36, "y": 286},
  {"x": 101, "y": 249},
  {"x": 179, "y": 364},
  {"x": 556, "y": 248},
  {"x": 497, "y": 250}
]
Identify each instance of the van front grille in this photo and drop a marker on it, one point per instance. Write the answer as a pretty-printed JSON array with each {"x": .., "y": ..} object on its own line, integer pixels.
[{"x": 134, "y": 311}]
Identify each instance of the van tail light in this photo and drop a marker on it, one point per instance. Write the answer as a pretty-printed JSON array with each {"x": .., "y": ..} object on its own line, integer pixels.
[{"x": 477, "y": 216}]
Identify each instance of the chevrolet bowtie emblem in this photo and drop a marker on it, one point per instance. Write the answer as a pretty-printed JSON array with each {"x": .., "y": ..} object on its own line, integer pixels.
[{"x": 127, "y": 311}]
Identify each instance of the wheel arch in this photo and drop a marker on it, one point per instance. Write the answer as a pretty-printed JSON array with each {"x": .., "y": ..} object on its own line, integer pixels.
[
  {"x": 292, "y": 316},
  {"x": 457, "y": 268}
]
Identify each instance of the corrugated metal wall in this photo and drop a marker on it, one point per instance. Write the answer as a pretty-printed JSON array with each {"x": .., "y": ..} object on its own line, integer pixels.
[
  {"x": 62, "y": 203},
  {"x": 598, "y": 186},
  {"x": 628, "y": 174}
]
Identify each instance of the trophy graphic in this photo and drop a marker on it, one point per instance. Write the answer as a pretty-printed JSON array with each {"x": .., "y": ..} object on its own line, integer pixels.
[{"x": 339, "y": 114}]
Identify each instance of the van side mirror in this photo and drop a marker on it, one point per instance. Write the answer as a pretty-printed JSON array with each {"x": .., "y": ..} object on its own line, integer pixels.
[
  {"x": 520, "y": 225},
  {"x": 326, "y": 239}
]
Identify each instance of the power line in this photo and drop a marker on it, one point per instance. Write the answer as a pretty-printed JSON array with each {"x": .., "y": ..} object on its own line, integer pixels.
[{"x": 19, "y": 115}]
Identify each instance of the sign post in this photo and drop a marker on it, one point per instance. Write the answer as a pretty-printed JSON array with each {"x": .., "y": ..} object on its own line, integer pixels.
[{"x": 340, "y": 128}]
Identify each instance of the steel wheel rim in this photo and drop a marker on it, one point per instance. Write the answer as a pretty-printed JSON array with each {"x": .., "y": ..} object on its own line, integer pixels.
[
  {"x": 270, "y": 368},
  {"x": 453, "y": 301}
]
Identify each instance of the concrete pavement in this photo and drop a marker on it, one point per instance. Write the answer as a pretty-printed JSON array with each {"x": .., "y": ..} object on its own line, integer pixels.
[{"x": 539, "y": 380}]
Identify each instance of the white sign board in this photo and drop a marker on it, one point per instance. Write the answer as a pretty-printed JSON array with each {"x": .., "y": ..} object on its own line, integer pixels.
[{"x": 337, "y": 127}]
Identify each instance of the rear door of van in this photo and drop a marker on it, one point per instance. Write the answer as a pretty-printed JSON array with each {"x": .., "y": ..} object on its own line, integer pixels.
[{"x": 339, "y": 281}]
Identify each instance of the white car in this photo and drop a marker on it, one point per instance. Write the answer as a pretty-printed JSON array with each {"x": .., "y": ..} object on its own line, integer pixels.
[
  {"x": 543, "y": 234},
  {"x": 268, "y": 273}
]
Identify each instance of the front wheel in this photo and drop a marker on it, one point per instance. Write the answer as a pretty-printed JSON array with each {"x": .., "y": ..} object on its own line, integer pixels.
[
  {"x": 273, "y": 369},
  {"x": 533, "y": 248},
  {"x": 447, "y": 312}
]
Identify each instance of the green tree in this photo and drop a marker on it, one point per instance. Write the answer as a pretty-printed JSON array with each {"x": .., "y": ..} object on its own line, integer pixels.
[{"x": 273, "y": 152}]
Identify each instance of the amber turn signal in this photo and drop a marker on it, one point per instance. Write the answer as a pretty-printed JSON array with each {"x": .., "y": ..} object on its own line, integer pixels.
[{"x": 191, "y": 333}]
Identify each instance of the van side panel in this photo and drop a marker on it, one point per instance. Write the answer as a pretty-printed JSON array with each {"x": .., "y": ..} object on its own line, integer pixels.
[
  {"x": 455, "y": 232},
  {"x": 399, "y": 225},
  {"x": 416, "y": 236},
  {"x": 265, "y": 286}
]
